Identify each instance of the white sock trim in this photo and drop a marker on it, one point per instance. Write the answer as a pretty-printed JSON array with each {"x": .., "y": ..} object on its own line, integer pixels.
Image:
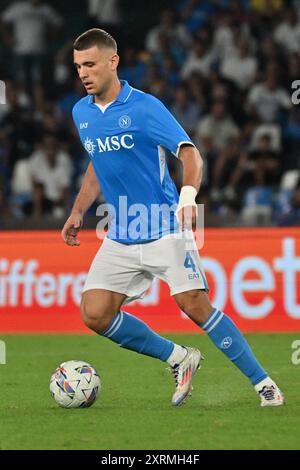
[
  {"x": 116, "y": 326},
  {"x": 177, "y": 355},
  {"x": 265, "y": 382}
]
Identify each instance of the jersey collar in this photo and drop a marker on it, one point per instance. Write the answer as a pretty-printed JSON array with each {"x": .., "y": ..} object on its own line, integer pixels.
[
  {"x": 125, "y": 92},
  {"x": 122, "y": 97}
]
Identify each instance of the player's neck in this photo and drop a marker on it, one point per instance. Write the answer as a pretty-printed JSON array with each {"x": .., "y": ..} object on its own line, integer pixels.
[{"x": 110, "y": 94}]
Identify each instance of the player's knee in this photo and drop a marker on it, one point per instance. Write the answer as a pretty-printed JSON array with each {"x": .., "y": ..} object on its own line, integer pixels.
[
  {"x": 189, "y": 300},
  {"x": 195, "y": 304},
  {"x": 95, "y": 317}
]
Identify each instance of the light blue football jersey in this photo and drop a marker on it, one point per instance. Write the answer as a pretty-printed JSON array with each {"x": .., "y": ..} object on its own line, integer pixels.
[{"x": 127, "y": 145}]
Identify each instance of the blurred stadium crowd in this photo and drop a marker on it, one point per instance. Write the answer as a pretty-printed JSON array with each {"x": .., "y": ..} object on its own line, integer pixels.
[{"x": 224, "y": 68}]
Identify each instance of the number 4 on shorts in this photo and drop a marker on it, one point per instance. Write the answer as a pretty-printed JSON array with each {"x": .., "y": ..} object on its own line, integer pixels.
[{"x": 189, "y": 263}]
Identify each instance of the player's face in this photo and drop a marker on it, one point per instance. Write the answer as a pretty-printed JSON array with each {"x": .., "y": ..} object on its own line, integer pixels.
[{"x": 96, "y": 68}]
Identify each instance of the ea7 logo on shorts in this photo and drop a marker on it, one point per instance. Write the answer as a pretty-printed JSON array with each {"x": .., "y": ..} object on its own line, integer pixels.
[
  {"x": 226, "y": 343},
  {"x": 124, "y": 122},
  {"x": 83, "y": 125}
]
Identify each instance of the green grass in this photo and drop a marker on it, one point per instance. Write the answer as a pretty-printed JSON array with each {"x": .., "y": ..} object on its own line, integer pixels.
[{"x": 133, "y": 410}]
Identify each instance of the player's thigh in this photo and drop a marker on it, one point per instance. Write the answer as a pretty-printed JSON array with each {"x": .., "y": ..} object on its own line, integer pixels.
[
  {"x": 116, "y": 268},
  {"x": 112, "y": 267},
  {"x": 115, "y": 277}
]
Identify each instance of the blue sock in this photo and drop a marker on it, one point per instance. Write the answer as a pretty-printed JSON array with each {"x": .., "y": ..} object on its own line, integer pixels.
[
  {"x": 132, "y": 333},
  {"x": 225, "y": 335}
]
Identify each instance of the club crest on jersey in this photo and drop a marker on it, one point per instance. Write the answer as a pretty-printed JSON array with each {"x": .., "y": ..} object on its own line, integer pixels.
[
  {"x": 124, "y": 122},
  {"x": 89, "y": 146}
]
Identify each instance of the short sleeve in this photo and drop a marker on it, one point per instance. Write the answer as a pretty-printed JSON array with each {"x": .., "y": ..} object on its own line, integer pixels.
[{"x": 162, "y": 127}]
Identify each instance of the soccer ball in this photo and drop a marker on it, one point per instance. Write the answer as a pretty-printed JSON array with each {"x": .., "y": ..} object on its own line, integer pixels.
[{"x": 75, "y": 384}]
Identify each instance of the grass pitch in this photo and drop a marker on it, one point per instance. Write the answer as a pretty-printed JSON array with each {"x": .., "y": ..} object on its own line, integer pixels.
[{"x": 133, "y": 410}]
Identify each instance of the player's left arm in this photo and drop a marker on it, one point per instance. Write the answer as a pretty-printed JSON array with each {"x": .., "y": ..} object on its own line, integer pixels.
[
  {"x": 165, "y": 130},
  {"x": 192, "y": 176}
]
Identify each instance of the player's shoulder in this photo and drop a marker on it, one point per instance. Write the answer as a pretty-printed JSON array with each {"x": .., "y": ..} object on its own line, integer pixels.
[
  {"x": 146, "y": 98},
  {"x": 142, "y": 95}
]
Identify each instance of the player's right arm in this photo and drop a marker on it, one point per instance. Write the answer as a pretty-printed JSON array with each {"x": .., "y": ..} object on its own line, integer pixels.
[{"x": 88, "y": 193}]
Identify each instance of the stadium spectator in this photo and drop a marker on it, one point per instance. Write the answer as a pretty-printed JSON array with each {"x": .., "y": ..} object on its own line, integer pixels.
[
  {"x": 169, "y": 71},
  {"x": 287, "y": 33},
  {"x": 267, "y": 7},
  {"x": 287, "y": 205},
  {"x": 17, "y": 122},
  {"x": 196, "y": 86},
  {"x": 21, "y": 185},
  {"x": 30, "y": 22},
  {"x": 293, "y": 71},
  {"x": 132, "y": 68},
  {"x": 195, "y": 13},
  {"x": 266, "y": 99},
  {"x": 216, "y": 129},
  {"x": 39, "y": 205},
  {"x": 291, "y": 135},
  {"x": 5, "y": 169},
  {"x": 240, "y": 68},
  {"x": 259, "y": 167},
  {"x": 167, "y": 48},
  {"x": 105, "y": 14},
  {"x": 227, "y": 33},
  {"x": 69, "y": 97},
  {"x": 214, "y": 132},
  {"x": 223, "y": 186},
  {"x": 184, "y": 110},
  {"x": 51, "y": 166},
  {"x": 63, "y": 67},
  {"x": 5, "y": 208},
  {"x": 223, "y": 40},
  {"x": 268, "y": 52},
  {"x": 200, "y": 60},
  {"x": 167, "y": 26},
  {"x": 272, "y": 131},
  {"x": 295, "y": 209}
]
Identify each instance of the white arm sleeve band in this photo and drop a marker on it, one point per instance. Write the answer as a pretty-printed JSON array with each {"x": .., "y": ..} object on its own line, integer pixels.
[{"x": 187, "y": 198}]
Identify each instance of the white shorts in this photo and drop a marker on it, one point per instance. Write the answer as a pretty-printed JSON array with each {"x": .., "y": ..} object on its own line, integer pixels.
[{"x": 130, "y": 269}]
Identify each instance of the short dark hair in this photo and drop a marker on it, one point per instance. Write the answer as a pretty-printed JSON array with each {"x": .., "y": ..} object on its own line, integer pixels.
[{"x": 94, "y": 37}]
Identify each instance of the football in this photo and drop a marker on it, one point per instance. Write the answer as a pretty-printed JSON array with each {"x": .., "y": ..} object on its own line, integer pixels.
[{"x": 75, "y": 384}]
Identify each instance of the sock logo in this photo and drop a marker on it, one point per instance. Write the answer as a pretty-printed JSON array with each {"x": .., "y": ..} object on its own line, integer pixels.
[{"x": 226, "y": 342}]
